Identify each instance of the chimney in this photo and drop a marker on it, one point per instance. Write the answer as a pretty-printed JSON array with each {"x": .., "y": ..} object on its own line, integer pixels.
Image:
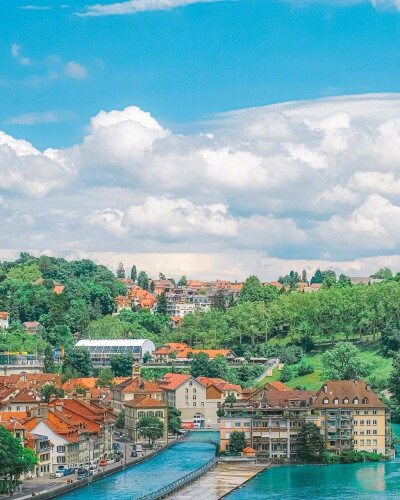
[
  {"x": 368, "y": 387},
  {"x": 355, "y": 382},
  {"x": 325, "y": 389}
]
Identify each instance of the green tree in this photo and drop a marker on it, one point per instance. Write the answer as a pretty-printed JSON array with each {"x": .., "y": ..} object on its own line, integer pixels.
[
  {"x": 80, "y": 361},
  {"x": 394, "y": 379},
  {"x": 27, "y": 273},
  {"x": 134, "y": 273},
  {"x": 151, "y": 428},
  {"x": 182, "y": 281},
  {"x": 146, "y": 357},
  {"x": 237, "y": 442},
  {"x": 344, "y": 362},
  {"x": 286, "y": 374},
  {"x": 218, "y": 367},
  {"x": 199, "y": 365},
  {"x": 106, "y": 377},
  {"x": 14, "y": 459},
  {"x": 152, "y": 286},
  {"x": 161, "y": 276},
  {"x": 121, "y": 364},
  {"x": 143, "y": 280},
  {"x": 317, "y": 278},
  {"x": 384, "y": 274},
  {"x": 311, "y": 444},
  {"x": 304, "y": 276},
  {"x": 49, "y": 390},
  {"x": 174, "y": 420},
  {"x": 162, "y": 303},
  {"x": 48, "y": 365},
  {"x": 120, "y": 271},
  {"x": 120, "y": 423},
  {"x": 230, "y": 399}
]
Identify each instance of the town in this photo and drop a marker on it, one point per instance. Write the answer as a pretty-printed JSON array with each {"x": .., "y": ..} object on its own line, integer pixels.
[{"x": 95, "y": 367}]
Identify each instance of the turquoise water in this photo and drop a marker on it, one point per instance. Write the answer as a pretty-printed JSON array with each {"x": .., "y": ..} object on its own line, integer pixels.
[
  {"x": 148, "y": 476},
  {"x": 203, "y": 436},
  {"x": 372, "y": 481}
]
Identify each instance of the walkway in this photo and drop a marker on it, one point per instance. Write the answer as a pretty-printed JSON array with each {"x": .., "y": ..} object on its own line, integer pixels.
[{"x": 219, "y": 481}]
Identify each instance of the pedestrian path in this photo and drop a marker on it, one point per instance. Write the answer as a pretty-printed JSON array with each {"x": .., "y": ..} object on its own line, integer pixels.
[{"x": 219, "y": 481}]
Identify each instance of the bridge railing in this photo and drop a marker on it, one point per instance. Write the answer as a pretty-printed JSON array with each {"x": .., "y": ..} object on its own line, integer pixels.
[{"x": 179, "y": 483}]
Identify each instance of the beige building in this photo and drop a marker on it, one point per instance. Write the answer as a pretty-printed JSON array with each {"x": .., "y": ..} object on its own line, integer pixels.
[
  {"x": 217, "y": 390},
  {"x": 351, "y": 415},
  {"x": 144, "y": 406},
  {"x": 184, "y": 392}
]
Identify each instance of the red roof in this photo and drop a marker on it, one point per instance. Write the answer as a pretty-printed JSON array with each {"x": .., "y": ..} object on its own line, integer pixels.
[
  {"x": 212, "y": 353},
  {"x": 171, "y": 381},
  {"x": 3, "y": 315},
  {"x": 279, "y": 386},
  {"x": 145, "y": 402}
]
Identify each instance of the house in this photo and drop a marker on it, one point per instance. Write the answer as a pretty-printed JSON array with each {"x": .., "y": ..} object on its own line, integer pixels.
[
  {"x": 195, "y": 285},
  {"x": 186, "y": 355},
  {"x": 4, "y": 320},
  {"x": 74, "y": 385},
  {"x": 161, "y": 286},
  {"x": 144, "y": 406},
  {"x": 32, "y": 327},
  {"x": 184, "y": 392},
  {"x": 175, "y": 321},
  {"x": 180, "y": 309},
  {"x": 123, "y": 302},
  {"x": 58, "y": 289},
  {"x": 351, "y": 416},
  {"x": 217, "y": 390},
  {"x": 133, "y": 388},
  {"x": 142, "y": 298},
  {"x": 163, "y": 355}
]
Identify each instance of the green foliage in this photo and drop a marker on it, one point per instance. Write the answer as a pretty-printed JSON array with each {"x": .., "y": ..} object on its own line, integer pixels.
[
  {"x": 49, "y": 390},
  {"x": 120, "y": 271},
  {"x": 143, "y": 280},
  {"x": 384, "y": 274},
  {"x": 237, "y": 442},
  {"x": 106, "y": 377},
  {"x": 199, "y": 365},
  {"x": 174, "y": 420},
  {"x": 394, "y": 379},
  {"x": 134, "y": 273},
  {"x": 253, "y": 291},
  {"x": 120, "y": 423},
  {"x": 14, "y": 459},
  {"x": 311, "y": 444},
  {"x": 121, "y": 364},
  {"x": 304, "y": 369},
  {"x": 317, "y": 278},
  {"x": 151, "y": 428},
  {"x": 49, "y": 366},
  {"x": 286, "y": 374},
  {"x": 182, "y": 281},
  {"x": 162, "y": 304},
  {"x": 344, "y": 362},
  {"x": 79, "y": 361},
  {"x": 146, "y": 357},
  {"x": 230, "y": 399},
  {"x": 353, "y": 456}
]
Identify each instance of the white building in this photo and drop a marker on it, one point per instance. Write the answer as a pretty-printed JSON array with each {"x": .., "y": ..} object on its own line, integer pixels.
[
  {"x": 101, "y": 350},
  {"x": 4, "y": 321}
]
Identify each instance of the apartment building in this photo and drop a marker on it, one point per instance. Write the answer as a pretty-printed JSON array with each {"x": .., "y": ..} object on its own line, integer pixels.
[
  {"x": 144, "y": 406},
  {"x": 351, "y": 416},
  {"x": 217, "y": 390}
]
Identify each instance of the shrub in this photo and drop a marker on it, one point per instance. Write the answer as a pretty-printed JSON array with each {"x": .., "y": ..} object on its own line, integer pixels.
[{"x": 304, "y": 369}]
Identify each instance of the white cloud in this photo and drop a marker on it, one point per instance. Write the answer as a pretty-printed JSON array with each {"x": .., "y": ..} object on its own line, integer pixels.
[
  {"x": 16, "y": 53},
  {"x": 135, "y": 6},
  {"x": 41, "y": 117},
  {"x": 76, "y": 70},
  {"x": 35, "y": 7}
]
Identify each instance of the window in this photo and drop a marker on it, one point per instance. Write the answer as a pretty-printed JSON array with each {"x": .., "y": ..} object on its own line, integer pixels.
[
  {"x": 141, "y": 414},
  {"x": 368, "y": 422},
  {"x": 247, "y": 424},
  {"x": 357, "y": 412},
  {"x": 375, "y": 450},
  {"x": 365, "y": 401},
  {"x": 326, "y": 401},
  {"x": 355, "y": 422},
  {"x": 61, "y": 460},
  {"x": 355, "y": 432},
  {"x": 227, "y": 435},
  {"x": 374, "y": 432},
  {"x": 362, "y": 433},
  {"x": 60, "y": 449},
  {"x": 368, "y": 442},
  {"x": 202, "y": 403},
  {"x": 228, "y": 425},
  {"x": 374, "y": 412},
  {"x": 150, "y": 414},
  {"x": 375, "y": 442},
  {"x": 365, "y": 412},
  {"x": 256, "y": 423},
  {"x": 361, "y": 422},
  {"x": 237, "y": 424},
  {"x": 368, "y": 432},
  {"x": 159, "y": 414},
  {"x": 190, "y": 383},
  {"x": 322, "y": 412},
  {"x": 355, "y": 401},
  {"x": 335, "y": 401},
  {"x": 186, "y": 391},
  {"x": 356, "y": 442},
  {"x": 194, "y": 390},
  {"x": 362, "y": 442},
  {"x": 374, "y": 422},
  {"x": 194, "y": 397},
  {"x": 346, "y": 401}
]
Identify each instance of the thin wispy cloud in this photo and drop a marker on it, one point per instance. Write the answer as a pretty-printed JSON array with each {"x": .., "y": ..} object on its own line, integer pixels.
[
  {"x": 35, "y": 7},
  {"x": 16, "y": 53},
  {"x": 76, "y": 70},
  {"x": 135, "y": 6},
  {"x": 36, "y": 118}
]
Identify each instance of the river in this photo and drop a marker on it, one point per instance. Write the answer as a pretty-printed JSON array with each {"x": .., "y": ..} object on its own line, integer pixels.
[{"x": 372, "y": 481}]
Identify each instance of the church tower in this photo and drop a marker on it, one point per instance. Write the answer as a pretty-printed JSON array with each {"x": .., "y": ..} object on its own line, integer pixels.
[{"x": 136, "y": 370}]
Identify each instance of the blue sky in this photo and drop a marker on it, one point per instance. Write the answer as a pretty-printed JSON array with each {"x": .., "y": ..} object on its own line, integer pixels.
[
  {"x": 188, "y": 63},
  {"x": 202, "y": 137}
]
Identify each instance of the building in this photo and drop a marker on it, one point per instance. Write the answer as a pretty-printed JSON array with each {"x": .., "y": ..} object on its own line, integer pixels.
[
  {"x": 186, "y": 355},
  {"x": 142, "y": 298},
  {"x": 123, "y": 302},
  {"x": 102, "y": 350},
  {"x": 180, "y": 309},
  {"x": 32, "y": 327},
  {"x": 168, "y": 351},
  {"x": 144, "y": 406},
  {"x": 4, "y": 320},
  {"x": 133, "y": 388},
  {"x": 217, "y": 390},
  {"x": 184, "y": 392},
  {"x": 351, "y": 416},
  {"x": 79, "y": 385},
  {"x": 271, "y": 420}
]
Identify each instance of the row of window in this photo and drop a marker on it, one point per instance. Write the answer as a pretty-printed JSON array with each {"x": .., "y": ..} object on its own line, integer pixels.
[
  {"x": 228, "y": 425},
  {"x": 362, "y": 441},
  {"x": 374, "y": 432},
  {"x": 345, "y": 401},
  {"x": 368, "y": 422},
  {"x": 194, "y": 404},
  {"x": 158, "y": 414}
]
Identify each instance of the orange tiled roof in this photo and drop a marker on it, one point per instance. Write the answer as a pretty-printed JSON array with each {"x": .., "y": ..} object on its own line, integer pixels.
[
  {"x": 58, "y": 289},
  {"x": 238, "y": 286},
  {"x": 87, "y": 382},
  {"x": 279, "y": 386},
  {"x": 171, "y": 346},
  {"x": 350, "y": 389},
  {"x": 171, "y": 381},
  {"x": 220, "y": 384},
  {"x": 137, "y": 385},
  {"x": 212, "y": 353},
  {"x": 3, "y": 315},
  {"x": 145, "y": 402},
  {"x": 8, "y": 415}
]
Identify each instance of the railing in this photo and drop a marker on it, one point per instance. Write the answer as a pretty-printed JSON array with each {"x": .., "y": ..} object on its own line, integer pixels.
[{"x": 176, "y": 485}]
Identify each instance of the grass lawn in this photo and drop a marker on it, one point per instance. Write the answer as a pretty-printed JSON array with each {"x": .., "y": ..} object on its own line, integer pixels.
[{"x": 380, "y": 365}]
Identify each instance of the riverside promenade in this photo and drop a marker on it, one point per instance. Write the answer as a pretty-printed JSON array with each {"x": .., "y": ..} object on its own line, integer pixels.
[{"x": 219, "y": 481}]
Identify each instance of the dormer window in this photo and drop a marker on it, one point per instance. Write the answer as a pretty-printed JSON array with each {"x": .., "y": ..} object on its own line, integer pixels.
[
  {"x": 335, "y": 401},
  {"x": 346, "y": 401},
  {"x": 365, "y": 401},
  {"x": 355, "y": 401},
  {"x": 325, "y": 401}
]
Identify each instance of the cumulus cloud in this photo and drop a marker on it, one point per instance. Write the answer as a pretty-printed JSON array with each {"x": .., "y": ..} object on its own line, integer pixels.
[
  {"x": 135, "y": 6},
  {"x": 306, "y": 180}
]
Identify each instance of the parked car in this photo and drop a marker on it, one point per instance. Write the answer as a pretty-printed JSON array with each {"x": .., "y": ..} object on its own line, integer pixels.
[
  {"x": 67, "y": 472},
  {"x": 110, "y": 460},
  {"x": 134, "y": 453},
  {"x": 103, "y": 463},
  {"x": 139, "y": 447},
  {"x": 59, "y": 473},
  {"x": 117, "y": 446}
]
